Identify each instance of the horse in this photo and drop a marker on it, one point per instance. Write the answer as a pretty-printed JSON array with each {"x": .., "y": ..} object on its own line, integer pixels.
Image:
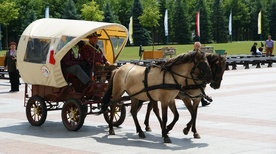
[
  {"x": 159, "y": 83},
  {"x": 218, "y": 65}
]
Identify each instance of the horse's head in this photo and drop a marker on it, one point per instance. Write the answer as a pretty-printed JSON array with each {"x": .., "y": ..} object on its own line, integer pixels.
[
  {"x": 202, "y": 64},
  {"x": 197, "y": 65},
  {"x": 218, "y": 65}
]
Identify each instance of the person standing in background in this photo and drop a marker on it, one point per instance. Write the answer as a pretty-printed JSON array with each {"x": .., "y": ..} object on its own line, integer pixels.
[
  {"x": 197, "y": 47},
  {"x": 253, "y": 49},
  {"x": 10, "y": 65},
  {"x": 269, "y": 44}
]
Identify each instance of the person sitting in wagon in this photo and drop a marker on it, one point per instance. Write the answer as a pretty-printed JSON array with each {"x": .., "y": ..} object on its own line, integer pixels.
[
  {"x": 71, "y": 65},
  {"x": 92, "y": 55}
]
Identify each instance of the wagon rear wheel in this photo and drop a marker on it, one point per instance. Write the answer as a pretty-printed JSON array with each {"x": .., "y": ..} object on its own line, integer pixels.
[
  {"x": 119, "y": 117},
  {"x": 73, "y": 114},
  {"x": 36, "y": 111}
]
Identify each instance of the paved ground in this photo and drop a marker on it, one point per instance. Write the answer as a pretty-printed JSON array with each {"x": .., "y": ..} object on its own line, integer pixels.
[{"x": 241, "y": 119}]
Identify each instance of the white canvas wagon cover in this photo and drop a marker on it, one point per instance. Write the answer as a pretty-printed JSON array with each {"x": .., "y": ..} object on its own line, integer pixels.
[{"x": 44, "y": 42}]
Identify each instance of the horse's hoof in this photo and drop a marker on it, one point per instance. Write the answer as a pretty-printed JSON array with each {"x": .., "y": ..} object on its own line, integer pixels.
[
  {"x": 167, "y": 140},
  {"x": 196, "y": 135},
  {"x": 148, "y": 129},
  {"x": 142, "y": 135},
  {"x": 111, "y": 132},
  {"x": 185, "y": 131}
]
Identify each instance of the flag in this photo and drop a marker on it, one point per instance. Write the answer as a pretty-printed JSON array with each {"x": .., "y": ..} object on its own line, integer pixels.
[
  {"x": 130, "y": 30},
  {"x": 230, "y": 23},
  {"x": 47, "y": 12},
  {"x": 198, "y": 23},
  {"x": 166, "y": 23},
  {"x": 260, "y": 23}
]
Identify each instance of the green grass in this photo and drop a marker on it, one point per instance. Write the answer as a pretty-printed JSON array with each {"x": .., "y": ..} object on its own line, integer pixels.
[
  {"x": 131, "y": 53},
  {"x": 2, "y": 52},
  {"x": 233, "y": 48}
]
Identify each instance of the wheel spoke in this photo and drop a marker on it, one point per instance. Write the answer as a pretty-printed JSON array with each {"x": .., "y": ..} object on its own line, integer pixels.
[
  {"x": 71, "y": 114},
  {"x": 36, "y": 111}
]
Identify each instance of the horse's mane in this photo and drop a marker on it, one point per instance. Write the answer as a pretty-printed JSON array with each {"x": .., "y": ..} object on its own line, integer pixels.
[
  {"x": 180, "y": 59},
  {"x": 214, "y": 58}
]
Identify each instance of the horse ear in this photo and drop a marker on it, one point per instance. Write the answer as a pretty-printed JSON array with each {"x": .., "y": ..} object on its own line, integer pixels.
[{"x": 203, "y": 53}]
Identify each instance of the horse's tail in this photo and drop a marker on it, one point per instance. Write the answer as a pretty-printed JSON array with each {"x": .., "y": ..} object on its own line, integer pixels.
[{"x": 108, "y": 94}]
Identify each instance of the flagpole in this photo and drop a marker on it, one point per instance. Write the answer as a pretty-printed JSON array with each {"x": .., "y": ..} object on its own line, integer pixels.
[
  {"x": 166, "y": 29},
  {"x": 47, "y": 12},
  {"x": 260, "y": 24},
  {"x": 198, "y": 25},
  {"x": 230, "y": 25},
  {"x": 130, "y": 31}
]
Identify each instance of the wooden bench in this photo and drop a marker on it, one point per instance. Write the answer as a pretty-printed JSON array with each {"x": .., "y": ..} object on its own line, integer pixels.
[{"x": 246, "y": 60}]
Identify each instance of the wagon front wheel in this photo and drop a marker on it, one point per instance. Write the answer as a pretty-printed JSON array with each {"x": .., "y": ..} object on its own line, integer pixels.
[
  {"x": 73, "y": 114},
  {"x": 119, "y": 115},
  {"x": 36, "y": 111}
]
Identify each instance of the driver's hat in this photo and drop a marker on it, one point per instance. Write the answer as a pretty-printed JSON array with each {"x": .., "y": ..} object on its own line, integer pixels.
[{"x": 94, "y": 35}]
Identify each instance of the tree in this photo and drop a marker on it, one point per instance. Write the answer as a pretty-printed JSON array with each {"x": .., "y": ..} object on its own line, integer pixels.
[
  {"x": 92, "y": 12},
  {"x": 219, "y": 23},
  {"x": 69, "y": 11},
  {"x": 205, "y": 23},
  {"x": 161, "y": 29},
  {"x": 9, "y": 12},
  {"x": 108, "y": 14},
  {"x": 122, "y": 11},
  {"x": 181, "y": 23},
  {"x": 240, "y": 17},
  {"x": 140, "y": 34},
  {"x": 272, "y": 23},
  {"x": 150, "y": 17}
]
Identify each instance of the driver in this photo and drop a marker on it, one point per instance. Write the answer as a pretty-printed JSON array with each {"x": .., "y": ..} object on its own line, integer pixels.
[
  {"x": 71, "y": 65},
  {"x": 92, "y": 55}
]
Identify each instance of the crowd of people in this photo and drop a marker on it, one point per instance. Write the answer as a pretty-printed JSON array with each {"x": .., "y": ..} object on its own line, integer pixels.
[{"x": 269, "y": 45}]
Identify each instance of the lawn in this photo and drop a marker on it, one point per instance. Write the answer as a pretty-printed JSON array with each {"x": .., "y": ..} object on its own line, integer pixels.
[
  {"x": 130, "y": 53},
  {"x": 243, "y": 47}
]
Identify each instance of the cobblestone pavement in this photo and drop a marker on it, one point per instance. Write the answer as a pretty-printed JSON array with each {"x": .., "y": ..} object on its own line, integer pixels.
[{"x": 241, "y": 119}]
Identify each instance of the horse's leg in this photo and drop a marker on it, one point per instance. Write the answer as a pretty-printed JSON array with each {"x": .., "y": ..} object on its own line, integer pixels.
[
  {"x": 112, "y": 113},
  {"x": 152, "y": 105},
  {"x": 156, "y": 111},
  {"x": 175, "y": 118},
  {"x": 195, "y": 107},
  {"x": 116, "y": 95},
  {"x": 164, "y": 124},
  {"x": 133, "y": 111},
  {"x": 146, "y": 122},
  {"x": 188, "y": 104}
]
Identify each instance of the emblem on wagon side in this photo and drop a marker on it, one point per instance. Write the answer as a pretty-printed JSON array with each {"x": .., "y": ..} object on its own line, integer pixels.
[{"x": 45, "y": 71}]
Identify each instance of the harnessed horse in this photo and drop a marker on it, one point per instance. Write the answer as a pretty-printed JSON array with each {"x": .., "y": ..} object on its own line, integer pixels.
[
  {"x": 191, "y": 96},
  {"x": 156, "y": 83}
]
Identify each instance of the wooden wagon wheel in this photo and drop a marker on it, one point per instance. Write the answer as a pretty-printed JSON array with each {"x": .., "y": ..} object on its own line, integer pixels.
[
  {"x": 36, "y": 111},
  {"x": 119, "y": 117},
  {"x": 73, "y": 114}
]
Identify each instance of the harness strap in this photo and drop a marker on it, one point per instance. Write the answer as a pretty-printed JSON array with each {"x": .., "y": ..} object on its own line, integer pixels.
[
  {"x": 197, "y": 86},
  {"x": 146, "y": 82},
  {"x": 161, "y": 86}
]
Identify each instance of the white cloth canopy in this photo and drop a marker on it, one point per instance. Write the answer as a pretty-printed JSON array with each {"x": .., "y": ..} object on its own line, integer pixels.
[{"x": 48, "y": 35}]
